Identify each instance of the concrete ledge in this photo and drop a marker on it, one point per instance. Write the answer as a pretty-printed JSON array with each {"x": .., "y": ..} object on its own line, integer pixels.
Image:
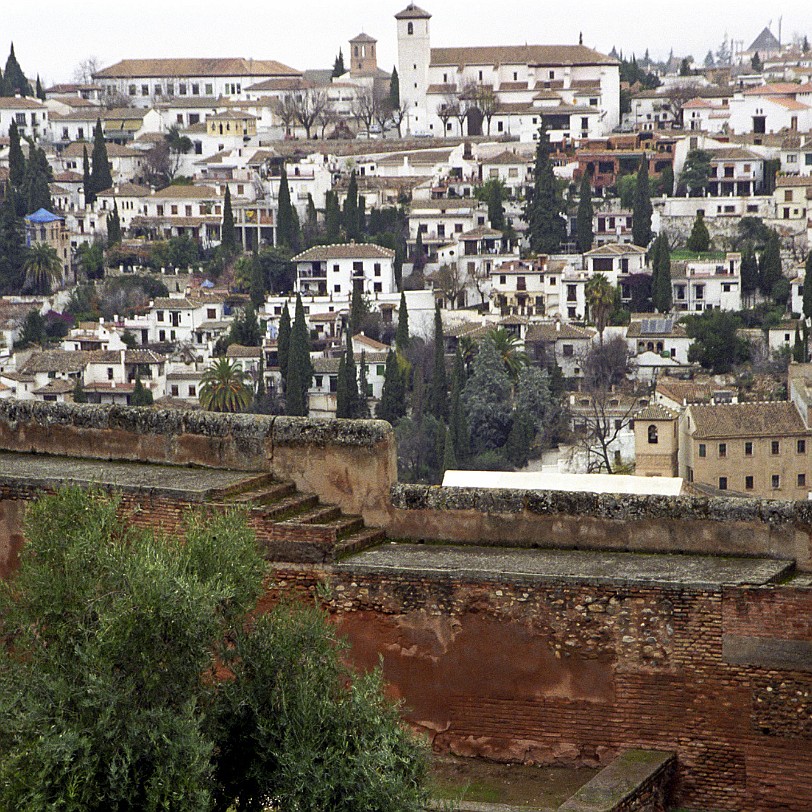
[
  {"x": 518, "y": 518},
  {"x": 635, "y": 780}
]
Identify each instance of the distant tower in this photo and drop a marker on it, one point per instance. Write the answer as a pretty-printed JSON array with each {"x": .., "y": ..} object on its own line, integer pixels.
[
  {"x": 363, "y": 60},
  {"x": 414, "y": 56}
]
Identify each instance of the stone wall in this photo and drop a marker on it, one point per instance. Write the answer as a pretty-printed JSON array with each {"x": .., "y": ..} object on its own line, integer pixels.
[
  {"x": 683, "y": 524},
  {"x": 351, "y": 463},
  {"x": 575, "y": 674}
]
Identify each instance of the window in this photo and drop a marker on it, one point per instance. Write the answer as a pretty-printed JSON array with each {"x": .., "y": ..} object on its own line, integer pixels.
[
  {"x": 145, "y": 90},
  {"x": 776, "y": 481},
  {"x": 788, "y": 196},
  {"x": 174, "y": 209},
  {"x": 162, "y": 335},
  {"x": 652, "y": 435},
  {"x": 775, "y": 447},
  {"x": 702, "y": 450},
  {"x": 377, "y": 287},
  {"x": 182, "y": 91},
  {"x": 109, "y": 373},
  {"x": 195, "y": 90},
  {"x": 722, "y": 449},
  {"x": 173, "y": 390},
  {"x": 337, "y": 288},
  {"x": 209, "y": 90},
  {"x": 377, "y": 269},
  {"x": 748, "y": 449},
  {"x": 159, "y": 315},
  {"x": 800, "y": 446},
  {"x": 410, "y": 29},
  {"x": 380, "y": 370},
  {"x": 131, "y": 90},
  {"x": 748, "y": 483},
  {"x": 722, "y": 483},
  {"x": 192, "y": 391},
  {"x": 801, "y": 480}
]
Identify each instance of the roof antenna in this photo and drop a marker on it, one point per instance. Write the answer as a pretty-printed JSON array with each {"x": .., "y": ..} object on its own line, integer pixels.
[{"x": 580, "y": 37}]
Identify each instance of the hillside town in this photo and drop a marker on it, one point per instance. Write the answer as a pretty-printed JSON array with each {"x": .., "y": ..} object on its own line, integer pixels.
[{"x": 525, "y": 258}]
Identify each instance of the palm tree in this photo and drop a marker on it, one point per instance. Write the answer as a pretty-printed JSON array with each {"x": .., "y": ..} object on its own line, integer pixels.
[
  {"x": 42, "y": 268},
  {"x": 507, "y": 345},
  {"x": 600, "y": 297},
  {"x": 223, "y": 388}
]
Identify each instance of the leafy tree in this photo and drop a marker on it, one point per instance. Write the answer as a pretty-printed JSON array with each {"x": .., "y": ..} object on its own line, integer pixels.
[
  {"x": 100, "y": 176},
  {"x": 642, "y": 209},
  {"x": 38, "y": 174},
  {"x": 665, "y": 185},
  {"x": 350, "y": 213},
  {"x": 287, "y": 221},
  {"x": 12, "y": 252},
  {"x": 699, "y": 239},
  {"x": 283, "y": 342},
  {"x": 509, "y": 348},
  {"x": 600, "y": 298},
  {"x": 438, "y": 391},
  {"x": 756, "y": 64},
  {"x": 42, "y": 267},
  {"x": 770, "y": 266},
  {"x": 228, "y": 234},
  {"x": 338, "y": 65},
  {"x": 402, "y": 334},
  {"x": 716, "y": 344},
  {"x": 392, "y": 404},
  {"x": 111, "y": 695},
  {"x": 78, "y": 394},
  {"x": 394, "y": 90},
  {"x": 32, "y": 331},
  {"x": 534, "y": 402},
  {"x": 696, "y": 172},
  {"x": 584, "y": 234},
  {"x": 14, "y": 78},
  {"x": 519, "y": 440},
  {"x": 223, "y": 387},
  {"x": 141, "y": 396},
  {"x": 245, "y": 329},
  {"x": 661, "y": 292},
  {"x": 487, "y": 397},
  {"x": 457, "y": 420},
  {"x": 626, "y": 186},
  {"x": 544, "y": 209},
  {"x": 113, "y": 226},
  {"x": 418, "y": 441},
  {"x": 299, "y": 367}
]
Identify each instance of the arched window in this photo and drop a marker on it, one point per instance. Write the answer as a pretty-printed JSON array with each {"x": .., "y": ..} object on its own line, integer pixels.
[
  {"x": 410, "y": 29},
  {"x": 652, "y": 435}
]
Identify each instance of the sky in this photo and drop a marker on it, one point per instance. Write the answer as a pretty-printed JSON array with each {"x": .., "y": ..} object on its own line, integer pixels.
[{"x": 53, "y": 39}]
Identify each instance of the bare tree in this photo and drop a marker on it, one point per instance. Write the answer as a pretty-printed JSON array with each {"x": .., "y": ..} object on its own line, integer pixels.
[
  {"x": 363, "y": 107},
  {"x": 447, "y": 109},
  {"x": 398, "y": 116},
  {"x": 308, "y": 104},
  {"x": 285, "y": 109},
  {"x": 327, "y": 115},
  {"x": 487, "y": 103},
  {"x": 383, "y": 113},
  {"x": 450, "y": 279},
  {"x": 83, "y": 73},
  {"x": 679, "y": 95}
]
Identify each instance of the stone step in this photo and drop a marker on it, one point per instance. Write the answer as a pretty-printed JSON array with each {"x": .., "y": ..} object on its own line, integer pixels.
[
  {"x": 288, "y": 507},
  {"x": 264, "y": 496},
  {"x": 251, "y": 483},
  {"x": 321, "y": 514},
  {"x": 360, "y": 540}
]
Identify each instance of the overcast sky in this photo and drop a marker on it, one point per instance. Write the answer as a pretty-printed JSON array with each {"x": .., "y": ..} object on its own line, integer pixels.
[{"x": 52, "y": 38}]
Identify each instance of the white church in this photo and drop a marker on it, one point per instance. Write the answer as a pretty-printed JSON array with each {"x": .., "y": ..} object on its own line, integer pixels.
[{"x": 503, "y": 90}]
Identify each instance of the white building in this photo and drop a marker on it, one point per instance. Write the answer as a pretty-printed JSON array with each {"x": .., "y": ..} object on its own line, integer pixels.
[
  {"x": 31, "y": 116},
  {"x": 772, "y": 108},
  {"x": 575, "y": 88},
  {"x": 699, "y": 285},
  {"x": 334, "y": 270}
]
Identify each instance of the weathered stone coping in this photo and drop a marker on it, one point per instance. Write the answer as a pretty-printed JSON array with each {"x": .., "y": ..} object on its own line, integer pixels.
[
  {"x": 190, "y": 484},
  {"x": 601, "y": 506},
  {"x": 616, "y": 786},
  {"x": 566, "y": 566}
]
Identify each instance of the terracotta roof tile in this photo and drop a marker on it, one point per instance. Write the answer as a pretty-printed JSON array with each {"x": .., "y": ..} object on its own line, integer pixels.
[{"x": 770, "y": 419}]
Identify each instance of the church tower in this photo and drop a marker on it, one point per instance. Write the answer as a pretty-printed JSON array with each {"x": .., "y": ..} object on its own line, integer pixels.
[
  {"x": 414, "y": 56},
  {"x": 363, "y": 61}
]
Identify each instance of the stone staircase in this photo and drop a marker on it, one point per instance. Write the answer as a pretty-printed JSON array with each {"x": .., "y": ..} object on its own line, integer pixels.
[{"x": 293, "y": 526}]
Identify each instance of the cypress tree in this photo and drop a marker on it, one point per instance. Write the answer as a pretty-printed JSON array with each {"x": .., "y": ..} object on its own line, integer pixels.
[
  {"x": 661, "y": 293},
  {"x": 332, "y": 218},
  {"x": 16, "y": 158},
  {"x": 228, "y": 235},
  {"x": 300, "y": 368},
  {"x": 312, "y": 215},
  {"x": 449, "y": 455},
  {"x": 457, "y": 421},
  {"x": 807, "y": 286},
  {"x": 392, "y": 404},
  {"x": 351, "y": 375},
  {"x": 394, "y": 90},
  {"x": 546, "y": 226},
  {"x": 11, "y": 245},
  {"x": 749, "y": 274},
  {"x": 438, "y": 389},
  {"x": 362, "y": 412},
  {"x": 342, "y": 408},
  {"x": 40, "y": 93},
  {"x": 79, "y": 395},
  {"x": 283, "y": 343},
  {"x": 770, "y": 267},
  {"x": 100, "y": 172},
  {"x": 141, "y": 396},
  {"x": 358, "y": 309},
  {"x": 15, "y": 81},
  {"x": 87, "y": 183},
  {"x": 286, "y": 227},
  {"x": 402, "y": 333},
  {"x": 350, "y": 213},
  {"x": 419, "y": 258},
  {"x": 397, "y": 265},
  {"x": 338, "y": 65},
  {"x": 642, "y": 208},
  {"x": 257, "y": 286},
  {"x": 699, "y": 239},
  {"x": 584, "y": 234},
  {"x": 496, "y": 211},
  {"x": 798, "y": 348},
  {"x": 518, "y": 440},
  {"x": 113, "y": 226},
  {"x": 38, "y": 174}
]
